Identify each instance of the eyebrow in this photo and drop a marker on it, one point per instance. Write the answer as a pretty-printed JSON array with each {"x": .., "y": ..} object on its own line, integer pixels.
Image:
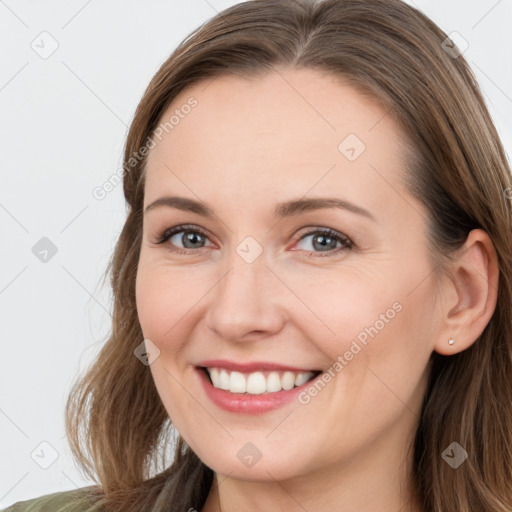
[{"x": 282, "y": 210}]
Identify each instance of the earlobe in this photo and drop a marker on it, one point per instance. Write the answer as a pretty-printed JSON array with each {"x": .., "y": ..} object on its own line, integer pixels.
[{"x": 475, "y": 280}]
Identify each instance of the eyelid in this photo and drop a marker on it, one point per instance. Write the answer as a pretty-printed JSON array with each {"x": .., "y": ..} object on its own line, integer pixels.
[
  {"x": 168, "y": 233},
  {"x": 306, "y": 231},
  {"x": 346, "y": 241}
]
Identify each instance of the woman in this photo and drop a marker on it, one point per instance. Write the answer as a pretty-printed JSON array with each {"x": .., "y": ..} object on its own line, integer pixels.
[{"x": 375, "y": 376}]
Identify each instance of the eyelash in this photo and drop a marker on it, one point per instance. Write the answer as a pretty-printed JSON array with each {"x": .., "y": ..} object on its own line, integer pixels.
[{"x": 345, "y": 241}]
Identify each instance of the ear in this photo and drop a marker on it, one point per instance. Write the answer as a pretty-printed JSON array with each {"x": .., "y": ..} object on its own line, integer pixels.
[{"x": 473, "y": 294}]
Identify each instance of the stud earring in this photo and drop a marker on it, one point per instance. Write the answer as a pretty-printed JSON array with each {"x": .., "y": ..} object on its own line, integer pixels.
[{"x": 451, "y": 341}]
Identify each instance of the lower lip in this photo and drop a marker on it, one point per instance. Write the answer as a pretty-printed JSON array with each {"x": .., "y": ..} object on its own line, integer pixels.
[{"x": 245, "y": 403}]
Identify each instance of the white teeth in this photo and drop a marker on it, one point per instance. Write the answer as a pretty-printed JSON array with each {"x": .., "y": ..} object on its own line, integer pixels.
[
  {"x": 237, "y": 383},
  {"x": 273, "y": 382},
  {"x": 214, "y": 375},
  {"x": 223, "y": 380},
  {"x": 256, "y": 383},
  {"x": 301, "y": 378},
  {"x": 288, "y": 380}
]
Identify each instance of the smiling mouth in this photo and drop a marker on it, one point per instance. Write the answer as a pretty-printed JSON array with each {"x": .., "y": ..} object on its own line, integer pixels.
[{"x": 258, "y": 382}]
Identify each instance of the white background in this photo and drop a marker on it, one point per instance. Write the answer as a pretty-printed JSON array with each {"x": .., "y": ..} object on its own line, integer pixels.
[{"x": 63, "y": 123}]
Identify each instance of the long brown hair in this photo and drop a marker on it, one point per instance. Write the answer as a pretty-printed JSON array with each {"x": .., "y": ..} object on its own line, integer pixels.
[{"x": 118, "y": 427}]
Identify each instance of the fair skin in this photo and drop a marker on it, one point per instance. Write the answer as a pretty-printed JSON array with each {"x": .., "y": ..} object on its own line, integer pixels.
[{"x": 246, "y": 146}]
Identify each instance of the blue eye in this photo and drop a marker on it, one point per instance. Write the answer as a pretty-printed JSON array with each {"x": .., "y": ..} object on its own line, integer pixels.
[
  {"x": 327, "y": 239},
  {"x": 192, "y": 237}
]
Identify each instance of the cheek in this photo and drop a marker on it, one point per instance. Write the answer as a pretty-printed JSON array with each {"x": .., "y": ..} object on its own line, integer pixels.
[
  {"x": 148, "y": 293},
  {"x": 336, "y": 307},
  {"x": 168, "y": 301},
  {"x": 162, "y": 310},
  {"x": 388, "y": 352},
  {"x": 158, "y": 304},
  {"x": 369, "y": 321}
]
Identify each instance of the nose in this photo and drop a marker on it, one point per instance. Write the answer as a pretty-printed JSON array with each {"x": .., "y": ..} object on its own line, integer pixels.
[{"x": 245, "y": 304}]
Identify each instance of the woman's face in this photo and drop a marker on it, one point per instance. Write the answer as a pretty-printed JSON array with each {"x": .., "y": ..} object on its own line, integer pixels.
[{"x": 262, "y": 283}]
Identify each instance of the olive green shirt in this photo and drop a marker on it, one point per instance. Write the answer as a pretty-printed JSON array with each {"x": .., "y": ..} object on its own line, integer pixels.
[{"x": 64, "y": 501}]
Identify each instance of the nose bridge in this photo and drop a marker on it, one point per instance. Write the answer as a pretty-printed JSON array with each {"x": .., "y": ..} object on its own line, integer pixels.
[
  {"x": 242, "y": 301},
  {"x": 246, "y": 267}
]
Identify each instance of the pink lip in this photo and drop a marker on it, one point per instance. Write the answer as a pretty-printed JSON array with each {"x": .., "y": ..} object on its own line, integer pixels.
[
  {"x": 249, "y": 367},
  {"x": 245, "y": 403}
]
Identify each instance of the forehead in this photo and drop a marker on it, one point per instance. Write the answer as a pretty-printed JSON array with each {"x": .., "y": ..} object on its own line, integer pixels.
[{"x": 283, "y": 133}]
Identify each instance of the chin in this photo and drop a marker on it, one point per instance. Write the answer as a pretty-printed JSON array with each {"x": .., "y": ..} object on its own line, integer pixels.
[{"x": 277, "y": 467}]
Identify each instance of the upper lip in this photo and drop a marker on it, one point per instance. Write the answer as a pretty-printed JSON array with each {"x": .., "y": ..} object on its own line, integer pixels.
[{"x": 251, "y": 367}]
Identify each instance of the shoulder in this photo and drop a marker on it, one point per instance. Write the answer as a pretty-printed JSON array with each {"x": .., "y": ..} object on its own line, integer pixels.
[{"x": 77, "y": 500}]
